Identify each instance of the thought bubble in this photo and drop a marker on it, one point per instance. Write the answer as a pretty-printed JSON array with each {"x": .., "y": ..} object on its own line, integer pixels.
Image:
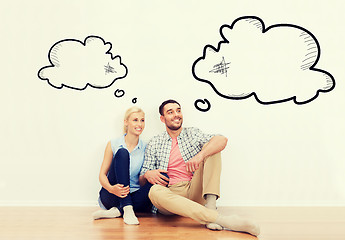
[
  {"x": 119, "y": 93},
  {"x": 202, "y": 108},
  {"x": 274, "y": 64},
  {"x": 76, "y": 64}
]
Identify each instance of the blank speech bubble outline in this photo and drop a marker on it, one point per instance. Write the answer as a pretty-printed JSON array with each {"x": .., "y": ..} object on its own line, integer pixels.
[{"x": 223, "y": 66}]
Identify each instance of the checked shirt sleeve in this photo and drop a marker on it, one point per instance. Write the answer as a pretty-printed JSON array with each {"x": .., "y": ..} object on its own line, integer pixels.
[
  {"x": 191, "y": 142},
  {"x": 149, "y": 159},
  {"x": 201, "y": 137}
]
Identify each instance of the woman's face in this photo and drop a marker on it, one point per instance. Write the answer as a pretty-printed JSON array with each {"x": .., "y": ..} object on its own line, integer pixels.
[{"x": 135, "y": 123}]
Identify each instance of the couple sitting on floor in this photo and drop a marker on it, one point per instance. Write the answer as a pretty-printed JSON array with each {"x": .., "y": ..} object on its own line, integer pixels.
[{"x": 177, "y": 172}]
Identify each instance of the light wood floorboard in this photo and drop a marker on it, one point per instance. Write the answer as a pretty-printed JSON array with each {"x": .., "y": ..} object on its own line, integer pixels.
[{"x": 277, "y": 223}]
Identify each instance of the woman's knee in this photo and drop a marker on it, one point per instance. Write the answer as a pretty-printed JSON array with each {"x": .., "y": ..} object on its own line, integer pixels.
[
  {"x": 122, "y": 158},
  {"x": 122, "y": 153}
]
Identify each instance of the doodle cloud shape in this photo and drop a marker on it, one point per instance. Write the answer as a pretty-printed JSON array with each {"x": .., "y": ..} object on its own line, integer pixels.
[
  {"x": 274, "y": 64},
  {"x": 76, "y": 64}
]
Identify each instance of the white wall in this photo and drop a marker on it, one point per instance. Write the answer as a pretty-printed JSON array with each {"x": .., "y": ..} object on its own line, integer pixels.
[{"x": 52, "y": 141}]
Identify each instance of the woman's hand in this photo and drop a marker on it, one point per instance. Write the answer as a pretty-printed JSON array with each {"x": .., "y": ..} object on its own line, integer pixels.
[{"x": 119, "y": 190}]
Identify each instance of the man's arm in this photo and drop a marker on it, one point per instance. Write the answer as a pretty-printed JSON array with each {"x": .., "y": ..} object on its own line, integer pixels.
[
  {"x": 215, "y": 145},
  {"x": 155, "y": 177}
]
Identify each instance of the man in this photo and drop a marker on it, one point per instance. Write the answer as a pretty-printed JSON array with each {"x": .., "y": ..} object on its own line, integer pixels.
[{"x": 192, "y": 162}]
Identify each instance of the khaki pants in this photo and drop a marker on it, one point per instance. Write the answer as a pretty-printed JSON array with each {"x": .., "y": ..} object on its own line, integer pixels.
[{"x": 187, "y": 198}]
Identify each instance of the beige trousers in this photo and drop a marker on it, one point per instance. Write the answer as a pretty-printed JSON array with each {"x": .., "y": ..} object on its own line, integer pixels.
[{"x": 188, "y": 198}]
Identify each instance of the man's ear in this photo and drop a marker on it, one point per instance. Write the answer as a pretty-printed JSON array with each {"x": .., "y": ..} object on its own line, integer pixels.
[{"x": 162, "y": 119}]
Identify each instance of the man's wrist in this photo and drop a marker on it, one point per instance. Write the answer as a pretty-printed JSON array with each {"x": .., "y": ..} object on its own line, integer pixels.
[{"x": 202, "y": 155}]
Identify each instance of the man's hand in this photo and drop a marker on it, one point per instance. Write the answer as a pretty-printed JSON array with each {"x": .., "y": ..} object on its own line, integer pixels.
[
  {"x": 119, "y": 190},
  {"x": 155, "y": 177},
  {"x": 193, "y": 164}
]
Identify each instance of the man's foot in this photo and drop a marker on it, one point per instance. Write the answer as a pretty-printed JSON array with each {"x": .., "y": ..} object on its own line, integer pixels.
[
  {"x": 211, "y": 204},
  {"x": 111, "y": 213},
  {"x": 235, "y": 223},
  {"x": 129, "y": 216},
  {"x": 214, "y": 226}
]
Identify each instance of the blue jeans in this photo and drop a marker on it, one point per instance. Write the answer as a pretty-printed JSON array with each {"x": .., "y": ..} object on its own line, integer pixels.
[{"x": 119, "y": 174}]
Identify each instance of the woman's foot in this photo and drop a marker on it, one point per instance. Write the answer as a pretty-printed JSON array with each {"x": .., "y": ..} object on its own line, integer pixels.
[
  {"x": 129, "y": 216},
  {"x": 111, "y": 213}
]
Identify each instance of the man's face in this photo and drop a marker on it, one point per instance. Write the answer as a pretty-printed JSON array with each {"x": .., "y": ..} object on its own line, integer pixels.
[{"x": 172, "y": 116}]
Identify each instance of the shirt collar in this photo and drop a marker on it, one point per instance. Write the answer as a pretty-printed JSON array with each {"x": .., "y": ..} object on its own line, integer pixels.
[
  {"x": 166, "y": 136},
  {"x": 123, "y": 143}
]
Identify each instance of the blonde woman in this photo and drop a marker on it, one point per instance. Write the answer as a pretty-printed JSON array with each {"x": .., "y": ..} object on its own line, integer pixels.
[{"x": 121, "y": 193}]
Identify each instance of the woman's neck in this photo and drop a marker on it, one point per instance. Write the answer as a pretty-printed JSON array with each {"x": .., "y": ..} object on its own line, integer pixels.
[{"x": 131, "y": 141}]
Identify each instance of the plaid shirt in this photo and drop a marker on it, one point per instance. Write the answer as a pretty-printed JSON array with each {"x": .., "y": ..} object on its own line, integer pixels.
[{"x": 157, "y": 153}]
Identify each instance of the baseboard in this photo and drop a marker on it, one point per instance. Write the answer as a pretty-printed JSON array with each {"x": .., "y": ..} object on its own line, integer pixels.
[{"x": 49, "y": 204}]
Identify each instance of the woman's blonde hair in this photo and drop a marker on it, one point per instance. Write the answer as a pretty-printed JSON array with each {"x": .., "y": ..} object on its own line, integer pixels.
[{"x": 128, "y": 114}]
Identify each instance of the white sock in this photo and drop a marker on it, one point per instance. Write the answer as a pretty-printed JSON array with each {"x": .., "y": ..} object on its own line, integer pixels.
[
  {"x": 111, "y": 213},
  {"x": 211, "y": 204},
  {"x": 129, "y": 216},
  {"x": 238, "y": 224},
  {"x": 211, "y": 201}
]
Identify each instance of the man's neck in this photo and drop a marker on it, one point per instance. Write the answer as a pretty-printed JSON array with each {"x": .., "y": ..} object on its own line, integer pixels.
[{"x": 174, "y": 133}]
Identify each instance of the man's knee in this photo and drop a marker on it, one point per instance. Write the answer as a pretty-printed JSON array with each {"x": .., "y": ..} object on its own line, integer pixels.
[
  {"x": 155, "y": 191},
  {"x": 157, "y": 196},
  {"x": 216, "y": 158}
]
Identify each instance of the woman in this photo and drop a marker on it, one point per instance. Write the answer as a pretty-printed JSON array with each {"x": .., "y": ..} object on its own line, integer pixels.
[{"x": 121, "y": 193}]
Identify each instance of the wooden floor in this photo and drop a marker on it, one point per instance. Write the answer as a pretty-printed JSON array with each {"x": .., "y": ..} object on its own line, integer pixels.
[{"x": 277, "y": 223}]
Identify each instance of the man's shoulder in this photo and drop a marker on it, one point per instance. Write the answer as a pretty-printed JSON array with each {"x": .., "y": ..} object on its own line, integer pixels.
[
  {"x": 158, "y": 138},
  {"x": 190, "y": 130},
  {"x": 195, "y": 133},
  {"x": 160, "y": 135}
]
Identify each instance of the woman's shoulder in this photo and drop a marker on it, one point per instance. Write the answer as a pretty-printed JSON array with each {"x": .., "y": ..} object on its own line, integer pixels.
[
  {"x": 142, "y": 143},
  {"x": 116, "y": 142}
]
